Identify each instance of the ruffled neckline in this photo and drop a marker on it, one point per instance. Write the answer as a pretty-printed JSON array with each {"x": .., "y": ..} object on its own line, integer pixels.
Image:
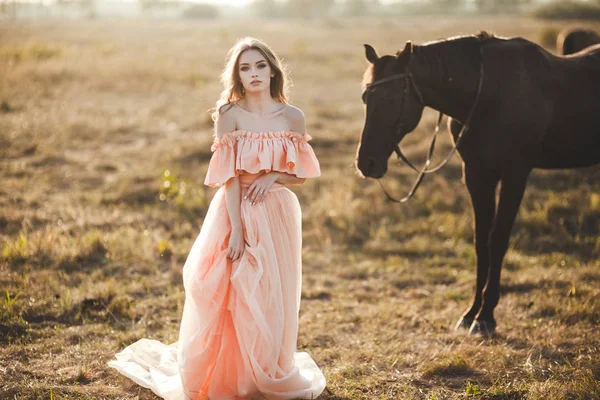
[
  {"x": 243, "y": 151},
  {"x": 266, "y": 134},
  {"x": 230, "y": 138}
]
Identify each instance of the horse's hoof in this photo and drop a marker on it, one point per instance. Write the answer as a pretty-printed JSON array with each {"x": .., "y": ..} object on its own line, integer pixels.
[
  {"x": 463, "y": 323},
  {"x": 484, "y": 328}
]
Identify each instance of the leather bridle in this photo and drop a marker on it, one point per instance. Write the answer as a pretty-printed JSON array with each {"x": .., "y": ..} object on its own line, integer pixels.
[{"x": 410, "y": 82}]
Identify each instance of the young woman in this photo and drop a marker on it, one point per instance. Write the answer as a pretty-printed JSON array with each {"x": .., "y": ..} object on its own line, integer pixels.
[{"x": 243, "y": 275}]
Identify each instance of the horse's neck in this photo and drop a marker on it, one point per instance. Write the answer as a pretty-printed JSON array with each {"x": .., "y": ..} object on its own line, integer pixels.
[{"x": 447, "y": 74}]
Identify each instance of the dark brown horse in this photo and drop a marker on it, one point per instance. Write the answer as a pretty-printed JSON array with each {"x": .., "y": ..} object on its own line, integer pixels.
[
  {"x": 535, "y": 110},
  {"x": 570, "y": 41}
]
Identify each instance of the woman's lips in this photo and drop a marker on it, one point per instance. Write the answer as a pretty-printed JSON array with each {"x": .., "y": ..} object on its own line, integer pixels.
[{"x": 255, "y": 83}]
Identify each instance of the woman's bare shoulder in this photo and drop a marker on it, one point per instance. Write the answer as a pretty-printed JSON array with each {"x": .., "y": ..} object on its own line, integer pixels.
[
  {"x": 296, "y": 118},
  {"x": 293, "y": 113},
  {"x": 226, "y": 121}
]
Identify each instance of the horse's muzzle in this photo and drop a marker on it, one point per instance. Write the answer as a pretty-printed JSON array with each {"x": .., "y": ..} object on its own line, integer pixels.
[{"x": 370, "y": 168}]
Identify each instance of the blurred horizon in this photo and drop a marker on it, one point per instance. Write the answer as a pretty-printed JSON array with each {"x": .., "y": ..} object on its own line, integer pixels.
[{"x": 214, "y": 9}]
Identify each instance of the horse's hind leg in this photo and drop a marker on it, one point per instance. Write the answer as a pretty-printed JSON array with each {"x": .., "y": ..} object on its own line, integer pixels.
[
  {"x": 482, "y": 188},
  {"x": 511, "y": 194}
]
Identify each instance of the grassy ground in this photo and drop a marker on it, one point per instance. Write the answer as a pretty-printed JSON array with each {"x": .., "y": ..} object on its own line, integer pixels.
[{"x": 104, "y": 142}]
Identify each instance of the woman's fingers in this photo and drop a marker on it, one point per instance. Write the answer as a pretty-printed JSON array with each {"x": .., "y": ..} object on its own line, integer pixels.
[
  {"x": 249, "y": 192},
  {"x": 256, "y": 193},
  {"x": 252, "y": 197},
  {"x": 238, "y": 254},
  {"x": 260, "y": 194},
  {"x": 235, "y": 254}
]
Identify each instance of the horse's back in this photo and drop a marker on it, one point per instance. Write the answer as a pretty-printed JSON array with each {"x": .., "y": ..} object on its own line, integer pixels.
[
  {"x": 523, "y": 71},
  {"x": 519, "y": 53},
  {"x": 522, "y": 51},
  {"x": 554, "y": 99},
  {"x": 578, "y": 74},
  {"x": 589, "y": 54},
  {"x": 573, "y": 136}
]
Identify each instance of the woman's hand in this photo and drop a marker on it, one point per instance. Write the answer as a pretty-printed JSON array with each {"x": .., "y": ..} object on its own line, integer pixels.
[
  {"x": 258, "y": 190},
  {"x": 236, "y": 244}
]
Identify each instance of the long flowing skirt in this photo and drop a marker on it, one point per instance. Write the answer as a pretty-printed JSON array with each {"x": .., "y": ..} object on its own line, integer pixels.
[{"x": 239, "y": 326}]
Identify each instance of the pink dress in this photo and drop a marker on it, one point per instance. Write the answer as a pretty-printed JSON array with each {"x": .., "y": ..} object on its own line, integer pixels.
[{"x": 239, "y": 326}]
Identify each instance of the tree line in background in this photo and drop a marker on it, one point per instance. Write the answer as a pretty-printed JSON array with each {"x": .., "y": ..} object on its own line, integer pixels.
[
  {"x": 311, "y": 8},
  {"x": 307, "y": 9}
]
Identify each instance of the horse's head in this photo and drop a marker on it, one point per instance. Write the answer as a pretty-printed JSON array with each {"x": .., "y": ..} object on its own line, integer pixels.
[{"x": 394, "y": 107}]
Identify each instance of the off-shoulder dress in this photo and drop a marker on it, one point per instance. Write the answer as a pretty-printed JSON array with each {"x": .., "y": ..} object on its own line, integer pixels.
[{"x": 238, "y": 332}]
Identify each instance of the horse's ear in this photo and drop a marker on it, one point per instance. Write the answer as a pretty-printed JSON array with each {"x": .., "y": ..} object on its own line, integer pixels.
[
  {"x": 371, "y": 54},
  {"x": 408, "y": 48}
]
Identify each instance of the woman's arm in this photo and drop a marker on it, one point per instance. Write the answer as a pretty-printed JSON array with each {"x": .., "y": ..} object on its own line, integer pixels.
[
  {"x": 233, "y": 192},
  {"x": 297, "y": 121},
  {"x": 287, "y": 179},
  {"x": 232, "y": 202}
]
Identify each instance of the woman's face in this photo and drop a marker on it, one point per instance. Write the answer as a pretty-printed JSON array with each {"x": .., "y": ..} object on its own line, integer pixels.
[{"x": 255, "y": 71}]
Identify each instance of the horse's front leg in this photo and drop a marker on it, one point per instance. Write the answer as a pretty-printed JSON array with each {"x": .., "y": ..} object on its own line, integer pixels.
[
  {"x": 482, "y": 189},
  {"x": 511, "y": 193}
]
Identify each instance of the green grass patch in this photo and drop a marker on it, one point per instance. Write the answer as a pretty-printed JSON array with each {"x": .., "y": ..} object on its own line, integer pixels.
[
  {"x": 448, "y": 367},
  {"x": 31, "y": 51}
]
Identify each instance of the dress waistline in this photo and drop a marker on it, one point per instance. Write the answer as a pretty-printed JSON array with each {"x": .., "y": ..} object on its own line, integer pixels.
[{"x": 247, "y": 179}]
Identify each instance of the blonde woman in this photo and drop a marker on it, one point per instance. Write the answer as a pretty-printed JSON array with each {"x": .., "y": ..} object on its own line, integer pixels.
[{"x": 242, "y": 277}]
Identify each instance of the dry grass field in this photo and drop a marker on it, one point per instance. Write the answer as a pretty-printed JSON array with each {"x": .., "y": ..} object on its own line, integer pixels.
[{"x": 104, "y": 143}]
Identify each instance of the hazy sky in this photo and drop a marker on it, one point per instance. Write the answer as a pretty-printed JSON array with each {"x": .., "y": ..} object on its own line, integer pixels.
[
  {"x": 224, "y": 2},
  {"x": 232, "y": 2},
  {"x": 245, "y": 2}
]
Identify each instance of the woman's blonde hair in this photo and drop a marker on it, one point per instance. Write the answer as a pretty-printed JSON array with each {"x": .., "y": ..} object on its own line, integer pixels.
[{"x": 234, "y": 90}]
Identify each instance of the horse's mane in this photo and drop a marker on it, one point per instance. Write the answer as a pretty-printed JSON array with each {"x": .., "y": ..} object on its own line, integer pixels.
[
  {"x": 440, "y": 58},
  {"x": 367, "y": 77},
  {"x": 447, "y": 58},
  {"x": 484, "y": 35}
]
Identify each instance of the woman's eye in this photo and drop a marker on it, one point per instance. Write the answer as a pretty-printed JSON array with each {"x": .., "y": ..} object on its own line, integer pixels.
[
  {"x": 244, "y": 69},
  {"x": 261, "y": 66}
]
